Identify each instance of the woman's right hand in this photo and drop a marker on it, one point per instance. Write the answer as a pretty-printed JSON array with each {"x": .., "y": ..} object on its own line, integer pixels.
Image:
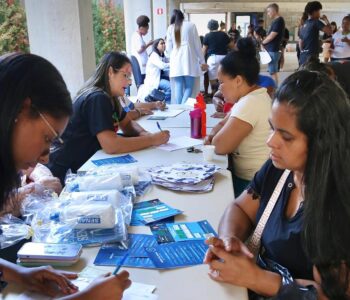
[
  {"x": 160, "y": 138},
  {"x": 111, "y": 287}
]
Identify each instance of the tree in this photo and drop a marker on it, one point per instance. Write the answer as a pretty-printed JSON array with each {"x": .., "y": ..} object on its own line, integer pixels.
[
  {"x": 13, "y": 27},
  {"x": 108, "y": 26}
]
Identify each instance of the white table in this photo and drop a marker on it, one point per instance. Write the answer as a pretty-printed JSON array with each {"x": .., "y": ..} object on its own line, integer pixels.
[
  {"x": 152, "y": 156},
  {"x": 180, "y": 121},
  {"x": 184, "y": 283}
]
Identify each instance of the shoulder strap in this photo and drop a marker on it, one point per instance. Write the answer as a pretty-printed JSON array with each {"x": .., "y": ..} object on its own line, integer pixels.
[{"x": 254, "y": 242}]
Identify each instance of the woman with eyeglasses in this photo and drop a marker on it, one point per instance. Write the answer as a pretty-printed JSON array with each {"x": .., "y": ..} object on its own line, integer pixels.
[
  {"x": 35, "y": 107},
  {"x": 97, "y": 118},
  {"x": 157, "y": 62}
]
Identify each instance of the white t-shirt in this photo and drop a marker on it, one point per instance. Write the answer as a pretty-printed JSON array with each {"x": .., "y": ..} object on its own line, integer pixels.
[
  {"x": 136, "y": 43},
  {"x": 254, "y": 108},
  {"x": 341, "y": 49}
]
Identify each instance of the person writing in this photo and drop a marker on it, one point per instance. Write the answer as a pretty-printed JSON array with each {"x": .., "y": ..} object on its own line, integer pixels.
[{"x": 98, "y": 116}]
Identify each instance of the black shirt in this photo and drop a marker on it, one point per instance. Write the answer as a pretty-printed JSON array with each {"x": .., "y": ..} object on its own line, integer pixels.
[
  {"x": 217, "y": 42},
  {"x": 309, "y": 34},
  {"x": 342, "y": 71},
  {"x": 281, "y": 239},
  {"x": 93, "y": 112},
  {"x": 278, "y": 26}
]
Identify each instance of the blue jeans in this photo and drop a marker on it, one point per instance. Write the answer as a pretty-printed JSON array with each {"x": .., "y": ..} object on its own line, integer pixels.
[
  {"x": 273, "y": 65},
  {"x": 164, "y": 85},
  {"x": 183, "y": 88}
]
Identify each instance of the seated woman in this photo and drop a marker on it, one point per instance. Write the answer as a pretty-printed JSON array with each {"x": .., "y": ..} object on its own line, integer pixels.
[
  {"x": 157, "y": 62},
  {"x": 35, "y": 106},
  {"x": 219, "y": 100},
  {"x": 244, "y": 131},
  {"x": 97, "y": 117},
  {"x": 311, "y": 138}
]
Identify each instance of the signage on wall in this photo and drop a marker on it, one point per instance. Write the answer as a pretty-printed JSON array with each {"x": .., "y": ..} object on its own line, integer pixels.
[{"x": 160, "y": 11}]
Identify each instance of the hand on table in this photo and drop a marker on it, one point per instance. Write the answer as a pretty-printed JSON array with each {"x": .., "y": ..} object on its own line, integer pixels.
[
  {"x": 232, "y": 245},
  {"x": 44, "y": 280},
  {"x": 159, "y": 105},
  {"x": 160, "y": 138},
  {"x": 109, "y": 287}
]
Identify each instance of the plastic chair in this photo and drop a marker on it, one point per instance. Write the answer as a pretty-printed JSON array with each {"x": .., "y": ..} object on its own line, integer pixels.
[{"x": 136, "y": 71}]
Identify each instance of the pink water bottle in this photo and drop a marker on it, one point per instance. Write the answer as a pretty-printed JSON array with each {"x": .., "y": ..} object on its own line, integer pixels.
[{"x": 196, "y": 123}]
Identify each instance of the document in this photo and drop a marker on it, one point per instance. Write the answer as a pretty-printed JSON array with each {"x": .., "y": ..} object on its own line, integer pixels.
[
  {"x": 168, "y": 113},
  {"x": 184, "y": 231},
  {"x": 180, "y": 142},
  {"x": 125, "y": 159},
  {"x": 177, "y": 255},
  {"x": 152, "y": 211}
]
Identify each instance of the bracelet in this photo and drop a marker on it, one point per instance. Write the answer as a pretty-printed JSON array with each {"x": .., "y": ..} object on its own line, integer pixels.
[{"x": 139, "y": 111}]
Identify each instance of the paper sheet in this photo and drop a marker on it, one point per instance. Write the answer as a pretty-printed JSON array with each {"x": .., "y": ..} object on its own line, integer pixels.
[
  {"x": 169, "y": 113},
  {"x": 180, "y": 142}
]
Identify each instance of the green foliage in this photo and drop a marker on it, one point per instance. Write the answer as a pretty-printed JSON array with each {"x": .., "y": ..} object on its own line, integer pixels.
[
  {"x": 108, "y": 26},
  {"x": 13, "y": 27}
]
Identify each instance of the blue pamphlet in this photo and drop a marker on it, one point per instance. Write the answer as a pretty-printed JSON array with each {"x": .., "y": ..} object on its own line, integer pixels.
[
  {"x": 177, "y": 255},
  {"x": 111, "y": 254},
  {"x": 152, "y": 211},
  {"x": 125, "y": 159},
  {"x": 136, "y": 222},
  {"x": 184, "y": 231}
]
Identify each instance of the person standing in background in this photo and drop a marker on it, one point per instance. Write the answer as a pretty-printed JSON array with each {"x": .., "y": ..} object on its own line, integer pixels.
[
  {"x": 274, "y": 38},
  {"x": 138, "y": 45},
  {"x": 327, "y": 42},
  {"x": 215, "y": 45},
  {"x": 340, "y": 49},
  {"x": 186, "y": 57},
  {"x": 309, "y": 43}
]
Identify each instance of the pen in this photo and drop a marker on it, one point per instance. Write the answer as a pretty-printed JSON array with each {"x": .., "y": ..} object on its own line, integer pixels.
[
  {"x": 160, "y": 128},
  {"x": 119, "y": 265}
]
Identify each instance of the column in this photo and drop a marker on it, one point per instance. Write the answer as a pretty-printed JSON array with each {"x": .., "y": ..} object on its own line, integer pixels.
[{"x": 61, "y": 31}]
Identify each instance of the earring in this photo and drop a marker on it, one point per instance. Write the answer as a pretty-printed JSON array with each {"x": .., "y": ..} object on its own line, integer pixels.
[{"x": 16, "y": 120}]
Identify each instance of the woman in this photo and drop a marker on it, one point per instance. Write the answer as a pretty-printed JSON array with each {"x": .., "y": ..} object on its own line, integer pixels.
[
  {"x": 327, "y": 41},
  {"x": 35, "y": 106},
  {"x": 309, "y": 223},
  {"x": 340, "y": 48},
  {"x": 156, "y": 63},
  {"x": 244, "y": 131},
  {"x": 215, "y": 46},
  {"x": 186, "y": 57},
  {"x": 97, "y": 117}
]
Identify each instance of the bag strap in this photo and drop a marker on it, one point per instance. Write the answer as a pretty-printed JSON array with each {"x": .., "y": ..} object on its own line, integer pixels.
[{"x": 254, "y": 242}]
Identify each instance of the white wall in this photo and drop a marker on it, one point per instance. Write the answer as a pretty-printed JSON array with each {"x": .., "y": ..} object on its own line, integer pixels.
[{"x": 61, "y": 31}]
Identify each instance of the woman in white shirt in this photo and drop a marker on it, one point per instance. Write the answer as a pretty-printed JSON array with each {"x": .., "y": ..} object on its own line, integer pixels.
[
  {"x": 245, "y": 130},
  {"x": 340, "y": 49},
  {"x": 186, "y": 57},
  {"x": 157, "y": 62}
]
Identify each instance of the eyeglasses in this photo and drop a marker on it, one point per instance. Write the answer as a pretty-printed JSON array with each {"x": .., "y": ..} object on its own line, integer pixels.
[
  {"x": 55, "y": 133},
  {"x": 126, "y": 75}
]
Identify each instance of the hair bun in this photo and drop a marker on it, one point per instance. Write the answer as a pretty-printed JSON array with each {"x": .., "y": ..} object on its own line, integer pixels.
[{"x": 246, "y": 47}]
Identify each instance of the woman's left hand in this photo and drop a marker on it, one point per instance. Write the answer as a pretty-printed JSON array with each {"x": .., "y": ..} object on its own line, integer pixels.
[
  {"x": 238, "y": 269},
  {"x": 159, "y": 105}
]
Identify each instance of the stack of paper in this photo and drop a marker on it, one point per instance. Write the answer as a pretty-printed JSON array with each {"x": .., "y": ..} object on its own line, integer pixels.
[{"x": 196, "y": 178}]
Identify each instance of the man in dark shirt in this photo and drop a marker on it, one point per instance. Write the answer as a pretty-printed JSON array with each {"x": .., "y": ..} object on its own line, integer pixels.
[
  {"x": 273, "y": 40},
  {"x": 309, "y": 34},
  {"x": 234, "y": 33}
]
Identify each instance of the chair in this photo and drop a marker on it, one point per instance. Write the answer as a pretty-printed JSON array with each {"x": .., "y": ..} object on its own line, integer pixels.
[{"x": 136, "y": 71}]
